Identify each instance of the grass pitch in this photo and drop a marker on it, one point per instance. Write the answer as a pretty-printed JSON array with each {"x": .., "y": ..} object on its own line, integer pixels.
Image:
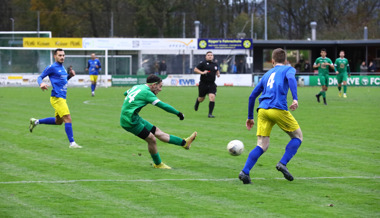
[{"x": 336, "y": 169}]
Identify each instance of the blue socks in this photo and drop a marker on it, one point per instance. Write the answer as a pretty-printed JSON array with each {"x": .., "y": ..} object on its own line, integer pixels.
[
  {"x": 93, "y": 86},
  {"x": 252, "y": 159},
  {"x": 49, "y": 121},
  {"x": 69, "y": 132},
  {"x": 291, "y": 150}
]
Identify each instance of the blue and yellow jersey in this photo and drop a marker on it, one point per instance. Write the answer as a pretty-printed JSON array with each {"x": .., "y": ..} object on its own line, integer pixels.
[
  {"x": 274, "y": 86},
  {"x": 58, "y": 77},
  {"x": 91, "y": 65}
]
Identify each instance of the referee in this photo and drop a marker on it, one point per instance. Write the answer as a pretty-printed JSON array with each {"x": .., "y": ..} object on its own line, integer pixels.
[{"x": 208, "y": 70}]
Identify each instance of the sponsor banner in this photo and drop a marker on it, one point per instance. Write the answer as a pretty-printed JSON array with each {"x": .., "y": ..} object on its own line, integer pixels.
[
  {"x": 351, "y": 81},
  {"x": 31, "y": 80},
  {"x": 52, "y": 42},
  {"x": 141, "y": 44},
  {"x": 224, "y": 43},
  {"x": 129, "y": 80},
  {"x": 223, "y": 80}
]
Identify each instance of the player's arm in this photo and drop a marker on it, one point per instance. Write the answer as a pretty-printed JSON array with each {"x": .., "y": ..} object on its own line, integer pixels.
[
  {"x": 71, "y": 74},
  {"x": 251, "y": 104},
  {"x": 316, "y": 64},
  {"x": 218, "y": 73},
  {"x": 88, "y": 65},
  {"x": 98, "y": 64},
  {"x": 331, "y": 65},
  {"x": 336, "y": 66},
  {"x": 293, "y": 88},
  {"x": 44, "y": 74},
  {"x": 348, "y": 69},
  {"x": 198, "y": 71},
  {"x": 168, "y": 108}
]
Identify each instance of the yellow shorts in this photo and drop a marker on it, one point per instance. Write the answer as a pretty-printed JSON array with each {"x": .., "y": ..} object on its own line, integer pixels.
[
  {"x": 60, "y": 106},
  {"x": 93, "y": 78},
  {"x": 266, "y": 119}
]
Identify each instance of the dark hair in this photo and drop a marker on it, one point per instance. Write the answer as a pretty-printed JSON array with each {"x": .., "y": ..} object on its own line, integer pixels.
[
  {"x": 208, "y": 52},
  {"x": 341, "y": 51},
  {"x": 279, "y": 55},
  {"x": 323, "y": 49},
  {"x": 153, "y": 79},
  {"x": 57, "y": 50}
]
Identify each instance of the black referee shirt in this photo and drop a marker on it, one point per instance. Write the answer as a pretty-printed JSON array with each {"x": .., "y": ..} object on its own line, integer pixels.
[{"x": 211, "y": 67}]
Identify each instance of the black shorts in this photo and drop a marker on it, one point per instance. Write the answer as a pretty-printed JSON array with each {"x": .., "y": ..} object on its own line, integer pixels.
[{"x": 206, "y": 88}]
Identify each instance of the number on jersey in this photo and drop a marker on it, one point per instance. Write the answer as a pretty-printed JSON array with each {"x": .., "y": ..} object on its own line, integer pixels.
[
  {"x": 132, "y": 94},
  {"x": 271, "y": 80}
]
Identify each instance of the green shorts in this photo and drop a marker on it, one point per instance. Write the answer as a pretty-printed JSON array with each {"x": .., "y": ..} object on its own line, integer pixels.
[
  {"x": 342, "y": 77},
  {"x": 138, "y": 125},
  {"x": 324, "y": 79}
]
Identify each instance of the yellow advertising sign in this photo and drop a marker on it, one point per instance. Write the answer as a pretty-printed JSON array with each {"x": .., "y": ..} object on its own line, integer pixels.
[{"x": 52, "y": 42}]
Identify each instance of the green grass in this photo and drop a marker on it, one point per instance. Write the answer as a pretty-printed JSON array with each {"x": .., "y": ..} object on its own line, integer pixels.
[{"x": 336, "y": 169}]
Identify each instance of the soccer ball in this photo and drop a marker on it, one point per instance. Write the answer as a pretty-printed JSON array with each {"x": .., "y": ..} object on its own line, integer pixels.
[{"x": 235, "y": 147}]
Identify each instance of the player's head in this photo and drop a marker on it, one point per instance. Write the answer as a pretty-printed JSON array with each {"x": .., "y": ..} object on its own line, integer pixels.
[
  {"x": 209, "y": 56},
  {"x": 341, "y": 54},
  {"x": 323, "y": 52},
  {"x": 93, "y": 56},
  {"x": 279, "y": 56},
  {"x": 155, "y": 83},
  {"x": 59, "y": 55}
]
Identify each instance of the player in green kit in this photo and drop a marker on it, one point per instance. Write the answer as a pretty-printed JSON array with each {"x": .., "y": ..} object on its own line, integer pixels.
[
  {"x": 341, "y": 68},
  {"x": 138, "y": 97},
  {"x": 323, "y": 63}
]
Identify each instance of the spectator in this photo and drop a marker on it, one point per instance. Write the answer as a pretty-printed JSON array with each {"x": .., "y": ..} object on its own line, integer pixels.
[
  {"x": 306, "y": 67},
  {"x": 241, "y": 67},
  {"x": 371, "y": 67},
  {"x": 298, "y": 67},
  {"x": 156, "y": 67},
  {"x": 163, "y": 67},
  {"x": 234, "y": 68},
  {"x": 224, "y": 67},
  {"x": 363, "y": 68}
]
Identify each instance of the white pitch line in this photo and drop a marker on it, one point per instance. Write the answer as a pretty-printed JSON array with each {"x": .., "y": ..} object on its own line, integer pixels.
[{"x": 162, "y": 180}]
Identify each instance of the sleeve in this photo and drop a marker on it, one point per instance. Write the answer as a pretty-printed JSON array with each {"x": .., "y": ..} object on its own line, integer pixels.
[
  {"x": 330, "y": 61},
  {"x": 290, "y": 75},
  {"x": 200, "y": 66},
  {"x": 45, "y": 73},
  {"x": 99, "y": 64},
  {"x": 166, "y": 107},
  {"x": 252, "y": 98},
  {"x": 335, "y": 65},
  {"x": 88, "y": 64},
  {"x": 316, "y": 61},
  {"x": 348, "y": 68}
]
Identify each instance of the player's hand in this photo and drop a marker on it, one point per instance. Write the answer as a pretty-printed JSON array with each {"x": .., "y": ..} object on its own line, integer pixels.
[
  {"x": 72, "y": 73},
  {"x": 349, "y": 75},
  {"x": 337, "y": 72},
  {"x": 249, "y": 123},
  {"x": 44, "y": 86},
  {"x": 181, "y": 116},
  {"x": 294, "y": 105},
  {"x": 97, "y": 66},
  {"x": 205, "y": 72}
]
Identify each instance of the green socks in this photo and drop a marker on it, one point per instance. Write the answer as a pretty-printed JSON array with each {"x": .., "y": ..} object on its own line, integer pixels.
[
  {"x": 344, "y": 88},
  {"x": 156, "y": 158},
  {"x": 176, "y": 140}
]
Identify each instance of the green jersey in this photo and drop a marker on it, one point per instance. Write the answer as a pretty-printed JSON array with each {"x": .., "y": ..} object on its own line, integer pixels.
[
  {"x": 323, "y": 69},
  {"x": 136, "y": 98},
  {"x": 341, "y": 65}
]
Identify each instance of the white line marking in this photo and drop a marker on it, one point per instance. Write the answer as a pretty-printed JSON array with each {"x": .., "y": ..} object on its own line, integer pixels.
[
  {"x": 87, "y": 102},
  {"x": 162, "y": 180}
]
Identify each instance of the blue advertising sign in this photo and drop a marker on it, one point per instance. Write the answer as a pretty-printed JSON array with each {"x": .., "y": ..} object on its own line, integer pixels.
[{"x": 224, "y": 43}]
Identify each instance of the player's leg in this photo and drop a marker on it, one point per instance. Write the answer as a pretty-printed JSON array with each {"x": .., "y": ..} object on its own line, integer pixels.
[
  {"x": 322, "y": 81},
  {"x": 264, "y": 127},
  {"x": 202, "y": 91},
  {"x": 211, "y": 97},
  {"x": 339, "y": 78},
  {"x": 211, "y": 105},
  {"x": 345, "y": 77},
  {"x": 152, "y": 148},
  {"x": 287, "y": 123},
  {"x": 325, "y": 88}
]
